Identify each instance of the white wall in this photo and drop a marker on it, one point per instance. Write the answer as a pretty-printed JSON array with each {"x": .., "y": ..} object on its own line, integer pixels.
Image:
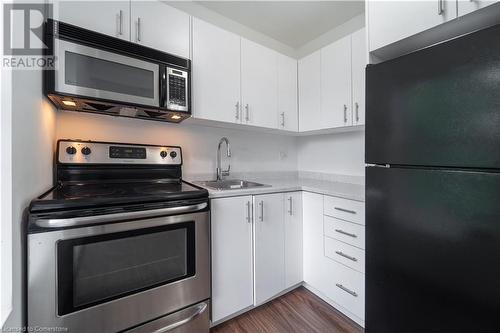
[
  {"x": 251, "y": 151},
  {"x": 339, "y": 153},
  {"x": 5, "y": 191},
  {"x": 33, "y": 129}
]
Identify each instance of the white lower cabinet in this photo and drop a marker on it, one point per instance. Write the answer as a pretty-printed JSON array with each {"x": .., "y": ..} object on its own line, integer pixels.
[
  {"x": 256, "y": 250},
  {"x": 293, "y": 238},
  {"x": 265, "y": 244},
  {"x": 269, "y": 246},
  {"x": 334, "y": 258},
  {"x": 346, "y": 287},
  {"x": 232, "y": 264},
  {"x": 314, "y": 274}
]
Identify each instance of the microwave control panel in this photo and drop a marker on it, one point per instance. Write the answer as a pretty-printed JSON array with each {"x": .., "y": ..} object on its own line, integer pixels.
[{"x": 177, "y": 90}]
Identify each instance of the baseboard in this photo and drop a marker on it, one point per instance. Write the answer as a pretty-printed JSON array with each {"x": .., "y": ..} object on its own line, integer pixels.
[{"x": 337, "y": 306}]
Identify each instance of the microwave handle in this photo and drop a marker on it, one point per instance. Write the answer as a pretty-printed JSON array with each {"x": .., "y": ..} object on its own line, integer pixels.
[{"x": 163, "y": 86}]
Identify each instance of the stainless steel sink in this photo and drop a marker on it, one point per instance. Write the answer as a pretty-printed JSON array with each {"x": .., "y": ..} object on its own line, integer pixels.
[{"x": 230, "y": 184}]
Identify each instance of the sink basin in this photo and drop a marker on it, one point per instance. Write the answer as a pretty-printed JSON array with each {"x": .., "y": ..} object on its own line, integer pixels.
[{"x": 230, "y": 184}]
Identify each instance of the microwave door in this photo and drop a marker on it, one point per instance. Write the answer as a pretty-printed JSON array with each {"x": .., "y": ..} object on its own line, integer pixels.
[{"x": 89, "y": 72}]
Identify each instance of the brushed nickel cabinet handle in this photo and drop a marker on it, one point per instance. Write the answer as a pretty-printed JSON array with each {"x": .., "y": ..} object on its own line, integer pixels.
[
  {"x": 357, "y": 111},
  {"x": 440, "y": 7},
  {"x": 249, "y": 212},
  {"x": 345, "y": 210},
  {"x": 282, "y": 119},
  {"x": 237, "y": 106},
  {"x": 138, "y": 29},
  {"x": 120, "y": 23},
  {"x": 247, "y": 112},
  {"x": 353, "y": 293},
  {"x": 345, "y": 113},
  {"x": 290, "y": 211},
  {"x": 340, "y": 231},
  {"x": 261, "y": 204},
  {"x": 342, "y": 254}
]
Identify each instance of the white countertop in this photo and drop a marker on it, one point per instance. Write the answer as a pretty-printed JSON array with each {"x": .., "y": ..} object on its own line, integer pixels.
[{"x": 288, "y": 184}]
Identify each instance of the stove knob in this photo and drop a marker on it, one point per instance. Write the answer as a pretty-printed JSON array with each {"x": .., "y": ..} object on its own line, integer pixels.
[
  {"x": 71, "y": 150},
  {"x": 163, "y": 154},
  {"x": 86, "y": 151},
  {"x": 173, "y": 154}
]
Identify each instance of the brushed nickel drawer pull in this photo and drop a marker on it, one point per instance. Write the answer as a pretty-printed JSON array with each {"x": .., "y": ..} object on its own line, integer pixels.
[
  {"x": 340, "y": 231},
  {"x": 345, "y": 210},
  {"x": 350, "y": 292},
  {"x": 342, "y": 254}
]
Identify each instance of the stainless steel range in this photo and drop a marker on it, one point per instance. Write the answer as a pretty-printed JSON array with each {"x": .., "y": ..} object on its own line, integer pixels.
[{"x": 120, "y": 243}]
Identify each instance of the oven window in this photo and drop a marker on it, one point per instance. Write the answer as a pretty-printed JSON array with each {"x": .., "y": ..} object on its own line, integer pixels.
[
  {"x": 97, "y": 269},
  {"x": 89, "y": 72}
]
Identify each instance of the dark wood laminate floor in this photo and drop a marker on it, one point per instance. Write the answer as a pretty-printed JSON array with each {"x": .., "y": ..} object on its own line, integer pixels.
[{"x": 296, "y": 311}]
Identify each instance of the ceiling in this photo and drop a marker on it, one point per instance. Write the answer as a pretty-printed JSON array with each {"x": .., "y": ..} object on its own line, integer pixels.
[{"x": 293, "y": 23}]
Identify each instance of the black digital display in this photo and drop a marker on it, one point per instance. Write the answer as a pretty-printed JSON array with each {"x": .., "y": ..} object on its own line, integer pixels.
[{"x": 127, "y": 152}]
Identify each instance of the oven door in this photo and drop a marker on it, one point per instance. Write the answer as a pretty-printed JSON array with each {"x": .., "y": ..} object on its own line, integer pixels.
[
  {"x": 94, "y": 73},
  {"x": 111, "y": 277}
]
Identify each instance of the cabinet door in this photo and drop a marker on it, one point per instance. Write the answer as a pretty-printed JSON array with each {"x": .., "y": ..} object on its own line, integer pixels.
[
  {"x": 259, "y": 84},
  {"x": 359, "y": 61},
  {"x": 309, "y": 92},
  {"x": 161, "y": 27},
  {"x": 232, "y": 274},
  {"x": 269, "y": 246},
  {"x": 391, "y": 21},
  {"x": 288, "y": 118},
  {"x": 216, "y": 73},
  {"x": 336, "y": 84},
  {"x": 469, "y": 6},
  {"x": 314, "y": 260},
  {"x": 107, "y": 17},
  {"x": 293, "y": 238}
]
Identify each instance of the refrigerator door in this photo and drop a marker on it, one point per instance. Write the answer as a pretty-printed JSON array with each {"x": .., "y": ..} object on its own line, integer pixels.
[
  {"x": 438, "y": 106},
  {"x": 432, "y": 251}
]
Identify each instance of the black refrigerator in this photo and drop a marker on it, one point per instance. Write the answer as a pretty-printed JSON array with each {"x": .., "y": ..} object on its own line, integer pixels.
[{"x": 433, "y": 189}]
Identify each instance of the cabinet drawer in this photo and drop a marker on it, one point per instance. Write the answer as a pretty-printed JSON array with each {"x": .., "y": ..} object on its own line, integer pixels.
[
  {"x": 346, "y": 288},
  {"x": 345, "y": 254},
  {"x": 347, "y": 232},
  {"x": 344, "y": 209}
]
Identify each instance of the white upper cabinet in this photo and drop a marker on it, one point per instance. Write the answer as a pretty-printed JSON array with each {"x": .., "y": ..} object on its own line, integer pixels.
[
  {"x": 336, "y": 84},
  {"x": 359, "y": 62},
  {"x": 391, "y": 21},
  {"x": 309, "y": 92},
  {"x": 288, "y": 118},
  {"x": 108, "y": 17},
  {"x": 216, "y": 73},
  {"x": 468, "y": 6},
  {"x": 232, "y": 266},
  {"x": 259, "y": 85},
  {"x": 293, "y": 238},
  {"x": 159, "y": 26},
  {"x": 269, "y": 246}
]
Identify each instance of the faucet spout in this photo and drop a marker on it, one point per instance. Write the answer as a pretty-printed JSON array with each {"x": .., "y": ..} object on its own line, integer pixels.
[{"x": 221, "y": 173}]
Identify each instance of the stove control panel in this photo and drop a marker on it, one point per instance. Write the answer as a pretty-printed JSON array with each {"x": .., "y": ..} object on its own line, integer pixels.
[{"x": 93, "y": 152}]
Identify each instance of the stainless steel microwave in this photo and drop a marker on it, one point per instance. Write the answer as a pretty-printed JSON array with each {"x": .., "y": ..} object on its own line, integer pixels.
[{"x": 97, "y": 73}]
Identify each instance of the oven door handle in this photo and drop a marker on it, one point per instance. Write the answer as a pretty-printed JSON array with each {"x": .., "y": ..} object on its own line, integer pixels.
[
  {"x": 107, "y": 218},
  {"x": 172, "y": 322}
]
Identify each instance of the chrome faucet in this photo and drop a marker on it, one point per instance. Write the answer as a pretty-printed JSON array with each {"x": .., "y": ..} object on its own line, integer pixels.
[{"x": 221, "y": 173}]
